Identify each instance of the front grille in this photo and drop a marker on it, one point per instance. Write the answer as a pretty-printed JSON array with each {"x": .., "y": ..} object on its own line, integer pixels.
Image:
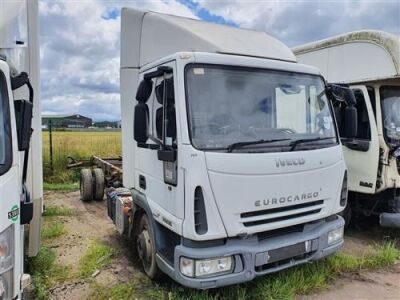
[
  {"x": 279, "y": 232},
  {"x": 280, "y": 209},
  {"x": 248, "y": 218}
]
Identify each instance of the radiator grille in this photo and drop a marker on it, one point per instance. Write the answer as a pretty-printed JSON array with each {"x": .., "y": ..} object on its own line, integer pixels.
[{"x": 273, "y": 215}]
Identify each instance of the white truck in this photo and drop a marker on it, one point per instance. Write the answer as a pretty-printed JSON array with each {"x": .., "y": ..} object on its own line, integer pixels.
[
  {"x": 20, "y": 173},
  {"x": 232, "y": 165},
  {"x": 369, "y": 62}
]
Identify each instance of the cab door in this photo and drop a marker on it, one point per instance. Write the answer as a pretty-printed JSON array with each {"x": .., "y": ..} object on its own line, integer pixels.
[
  {"x": 362, "y": 153},
  {"x": 157, "y": 179},
  {"x": 10, "y": 187}
]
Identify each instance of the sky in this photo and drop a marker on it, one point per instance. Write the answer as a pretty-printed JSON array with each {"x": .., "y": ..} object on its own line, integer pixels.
[{"x": 80, "y": 39}]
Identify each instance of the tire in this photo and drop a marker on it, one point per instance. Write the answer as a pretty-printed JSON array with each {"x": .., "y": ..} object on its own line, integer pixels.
[
  {"x": 86, "y": 185},
  {"x": 146, "y": 248},
  {"x": 99, "y": 184}
]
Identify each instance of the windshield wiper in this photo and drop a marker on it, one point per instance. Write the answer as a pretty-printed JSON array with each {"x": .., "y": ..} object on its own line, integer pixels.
[
  {"x": 301, "y": 141},
  {"x": 233, "y": 146}
]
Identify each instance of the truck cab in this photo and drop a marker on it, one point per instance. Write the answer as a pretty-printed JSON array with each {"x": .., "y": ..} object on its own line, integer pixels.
[
  {"x": 20, "y": 203},
  {"x": 369, "y": 63},
  {"x": 233, "y": 167}
]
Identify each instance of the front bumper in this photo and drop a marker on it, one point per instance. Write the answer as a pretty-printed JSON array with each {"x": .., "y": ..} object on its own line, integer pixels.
[
  {"x": 391, "y": 220},
  {"x": 251, "y": 254}
]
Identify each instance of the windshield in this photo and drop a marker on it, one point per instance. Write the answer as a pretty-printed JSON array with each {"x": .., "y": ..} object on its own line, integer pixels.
[
  {"x": 2, "y": 122},
  {"x": 390, "y": 96},
  {"x": 259, "y": 109}
]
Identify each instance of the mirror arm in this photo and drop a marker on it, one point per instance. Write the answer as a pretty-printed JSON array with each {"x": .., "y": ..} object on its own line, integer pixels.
[
  {"x": 21, "y": 80},
  {"x": 17, "y": 82},
  {"x": 148, "y": 146},
  {"x": 159, "y": 72},
  {"x": 341, "y": 93}
]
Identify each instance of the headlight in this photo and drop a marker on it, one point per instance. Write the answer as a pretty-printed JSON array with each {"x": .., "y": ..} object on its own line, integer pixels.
[
  {"x": 6, "y": 249},
  {"x": 206, "y": 267},
  {"x": 335, "y": 236},
  {"x": 343, "y": 194}
]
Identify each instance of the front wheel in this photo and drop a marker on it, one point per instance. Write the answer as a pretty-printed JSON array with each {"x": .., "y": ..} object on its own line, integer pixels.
[{"x": 146, "y": 248}]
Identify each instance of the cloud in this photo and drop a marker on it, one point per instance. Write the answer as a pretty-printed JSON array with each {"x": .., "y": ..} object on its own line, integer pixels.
[
  {"x": 298, "y": 22},
  {"x": 80, "y": 39},
  {"x": 80, "y": 54}
]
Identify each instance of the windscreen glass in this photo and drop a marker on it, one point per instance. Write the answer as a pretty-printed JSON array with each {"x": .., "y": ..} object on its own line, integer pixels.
[
  {"x": 229, "y": 105},
  {"x": 5, "y": 128},
  {"x": 390, "y": 96},
  {"x": 2, "y": 122}
]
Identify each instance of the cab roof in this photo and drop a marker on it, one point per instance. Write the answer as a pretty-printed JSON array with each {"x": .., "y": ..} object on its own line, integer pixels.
[{"x": 148, "y": 36}]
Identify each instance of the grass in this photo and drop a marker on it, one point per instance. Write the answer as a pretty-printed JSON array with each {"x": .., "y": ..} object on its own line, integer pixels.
[
  {"x": 283, "y": 285},
  {"x": 79, "y": 145},
  {"x": 61, "y": 187},
  {"x": 45, "y": 272},
  {"x": 55, "y": 211},
  {"x": 99, "y": 255},
  {"x": 52, "y": 231}
]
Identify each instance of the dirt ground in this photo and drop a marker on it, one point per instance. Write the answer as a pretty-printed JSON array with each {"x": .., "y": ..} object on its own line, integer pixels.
[
  {"x": 92, "y": 223},
  {"x": 89, "y": 224}
]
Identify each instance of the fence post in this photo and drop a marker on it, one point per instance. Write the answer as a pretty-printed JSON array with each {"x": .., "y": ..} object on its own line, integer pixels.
[{"x": 51, "y": 146}]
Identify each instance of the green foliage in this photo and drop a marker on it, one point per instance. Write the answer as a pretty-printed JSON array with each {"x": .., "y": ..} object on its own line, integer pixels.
[
  {"x": 61, "y": 187},
  {"x": 283, "y": 285},
  {"x": 97, "y": 256},
  {"x": 79, "y": 145},
  {"x": 53, "y": 211},
  {"x": 45, "y": 272},
  {"x": 52, "y": 231}
]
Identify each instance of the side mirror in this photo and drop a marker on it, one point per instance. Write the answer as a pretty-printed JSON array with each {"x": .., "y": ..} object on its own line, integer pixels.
[
  {"x": 23, "y": 113},
  {"x": 141, "y": 123},
  {"x": 343, "y": 94},
  {"x": 350, "y": 122},
  {"x": 144, "y": 90}
]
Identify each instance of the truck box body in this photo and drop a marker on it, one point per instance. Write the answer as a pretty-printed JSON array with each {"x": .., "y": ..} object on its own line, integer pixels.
[
  {"x": 19, "y": 52},
  {"x": 359, "y": 56},
  {"x": 369, "y": 61},
  {"x": 226, "y": 203}
]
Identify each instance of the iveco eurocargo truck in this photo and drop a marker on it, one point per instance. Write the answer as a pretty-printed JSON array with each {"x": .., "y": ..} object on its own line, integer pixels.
[{"x": 232, "y": 164}]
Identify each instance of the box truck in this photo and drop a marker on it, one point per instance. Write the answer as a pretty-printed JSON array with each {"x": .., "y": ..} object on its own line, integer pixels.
[
  {"x": 369, "y": 62},
  {"x": 232, "y": 165},
  {"x": 20, "y": 173}
]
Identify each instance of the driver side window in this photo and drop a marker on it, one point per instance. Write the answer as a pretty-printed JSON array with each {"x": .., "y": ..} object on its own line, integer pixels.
[
  {"x": 5, "y": 127},
  {"x": 364, "y": 128},
  {"x": 163, "y": 110}
]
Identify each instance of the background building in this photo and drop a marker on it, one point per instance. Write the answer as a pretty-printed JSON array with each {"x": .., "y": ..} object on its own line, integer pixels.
[{"x": 66, "y": 121}]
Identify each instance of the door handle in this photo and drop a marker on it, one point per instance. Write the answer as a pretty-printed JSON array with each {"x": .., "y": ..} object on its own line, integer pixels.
[{"x": 142, "y": 182}]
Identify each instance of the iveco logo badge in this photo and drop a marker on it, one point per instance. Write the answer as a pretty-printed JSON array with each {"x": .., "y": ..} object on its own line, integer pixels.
[{"x": 290, "y": 162}]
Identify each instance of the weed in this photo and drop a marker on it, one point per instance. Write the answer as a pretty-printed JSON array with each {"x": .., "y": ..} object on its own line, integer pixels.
[
  {"x": 97, "y": 256},
  {"x": 79, "y": 145},
  {"x": 45, "y": 272},
  {"x": 61, "y": 187},
  {"x": 53, "y": 211},
  {"x": 52, "y": 231},
  {"x": 283, "y": 285}
]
